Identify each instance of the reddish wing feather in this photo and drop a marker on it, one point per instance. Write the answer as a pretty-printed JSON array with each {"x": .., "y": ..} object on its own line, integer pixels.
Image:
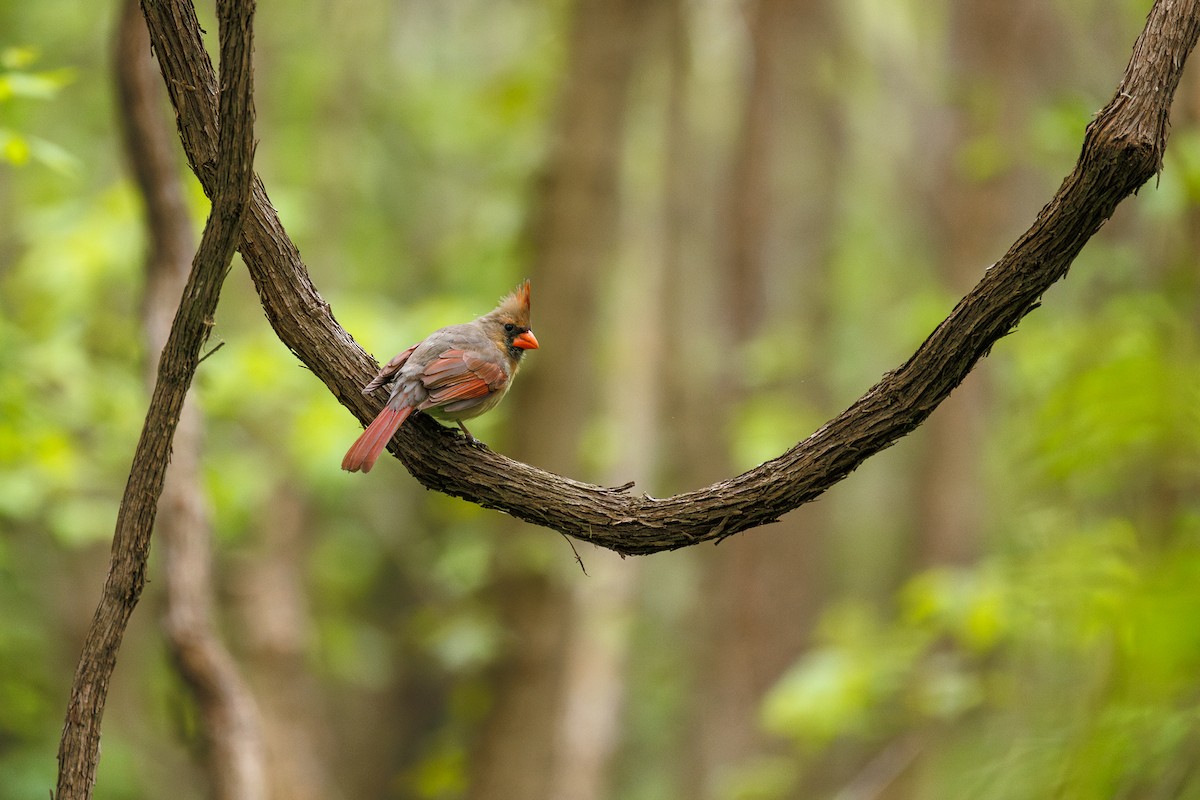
[
  {"x": 459, "y": 375},
  {"x": 490, "y": 371},
  {"x": 389, "y": 370}
]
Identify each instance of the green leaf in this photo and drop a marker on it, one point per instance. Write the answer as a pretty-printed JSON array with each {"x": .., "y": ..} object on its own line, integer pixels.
[
  {"x": 18, "y": 57},
  {"x": 14, "y": 148},
  {"x": 827, "y": 694},
  {"x": 37, "y": 85},
  {"x": 57, "y": 158}
]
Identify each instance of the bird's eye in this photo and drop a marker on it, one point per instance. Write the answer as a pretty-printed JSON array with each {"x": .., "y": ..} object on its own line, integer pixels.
[{"x": 509, "y": 327}]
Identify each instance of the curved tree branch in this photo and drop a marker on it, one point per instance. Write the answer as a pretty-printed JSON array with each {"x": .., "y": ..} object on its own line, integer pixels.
[
  {"x": 1122, "y": 149},
  {"x": 79, "y": 748}
]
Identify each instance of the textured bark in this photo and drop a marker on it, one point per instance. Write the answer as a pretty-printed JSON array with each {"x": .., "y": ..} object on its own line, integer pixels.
[
  {"x": 79, "y": 748},
  {"x": 233, "y": 756},
  {"x": 1122, "y": 149}
]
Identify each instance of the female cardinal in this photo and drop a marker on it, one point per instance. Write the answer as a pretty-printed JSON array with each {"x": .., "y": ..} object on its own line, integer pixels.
[{"x": 456, "y": 373}]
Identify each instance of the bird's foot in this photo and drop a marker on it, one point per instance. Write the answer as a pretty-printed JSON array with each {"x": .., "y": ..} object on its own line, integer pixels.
[{"x": 471, "y": 440}]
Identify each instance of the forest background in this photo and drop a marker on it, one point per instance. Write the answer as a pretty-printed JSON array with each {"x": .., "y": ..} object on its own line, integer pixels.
[{"x": 736, "y": 217}]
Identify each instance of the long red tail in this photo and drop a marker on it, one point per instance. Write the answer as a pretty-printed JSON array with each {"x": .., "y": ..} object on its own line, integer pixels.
[{"x": 365, "y": 451}]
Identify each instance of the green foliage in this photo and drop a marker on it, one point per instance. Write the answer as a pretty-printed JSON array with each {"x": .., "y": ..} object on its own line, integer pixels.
[
  {"x": 68, "y": 327},
  {"x": 17, "y": 84},
  {"x": 400, "y": 142},
  {"x": 1069, "y": 656},
  {"x": 763, "y": 778},
  {"x": 442, "y": 773},
  {"x": 1125, "y": 408},
  {"x": 867, "y": 676},
  {"x": 1096, "y": 667}
]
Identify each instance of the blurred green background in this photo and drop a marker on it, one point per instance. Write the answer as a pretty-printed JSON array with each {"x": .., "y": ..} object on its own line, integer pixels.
[{"x": 737, "y": 216}]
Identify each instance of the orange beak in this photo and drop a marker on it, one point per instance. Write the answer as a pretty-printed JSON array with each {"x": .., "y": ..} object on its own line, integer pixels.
[{"x": 526, "y": 341}]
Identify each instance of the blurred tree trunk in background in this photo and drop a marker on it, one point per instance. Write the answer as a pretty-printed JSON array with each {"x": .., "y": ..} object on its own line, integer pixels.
[
  {"x": 975, "y": 197},
  {"x": 276, "y": 637},
  {"x": 693, "y": 454},
  {"x": 571, "y": 242},
  {"x": 762, "y": 592},
  {"x": 232, "y": 750},
  {"x": 643, "y": 283},
  {"x": 1001, "y": 59},
  {"x": 514, "y": 751}
]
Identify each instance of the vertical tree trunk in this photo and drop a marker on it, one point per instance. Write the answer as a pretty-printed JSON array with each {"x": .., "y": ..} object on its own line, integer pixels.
[
  {"x": 276, "y": 632},
  {"x": 973, "y": 209},
  {"x": 595, "y": 683},
  {"x": 514, "y": 752},
  {"x": 762, "y": 593},
  {"x": 692, "y": 454},
  {"x": 233, "y": 757},
  {"x": 995, "y": 69},
  {"x": 571, "y": 238}
]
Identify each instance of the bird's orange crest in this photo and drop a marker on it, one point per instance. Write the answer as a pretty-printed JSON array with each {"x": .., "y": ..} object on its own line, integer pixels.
[{"x": 517, "y": 303}]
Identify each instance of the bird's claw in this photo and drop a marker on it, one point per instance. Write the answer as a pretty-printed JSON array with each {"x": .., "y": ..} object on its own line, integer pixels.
[{"x": 471, "y": 440}]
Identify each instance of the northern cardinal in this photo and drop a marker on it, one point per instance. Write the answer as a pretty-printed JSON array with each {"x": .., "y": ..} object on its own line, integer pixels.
[{"x": 456, "y": 373}]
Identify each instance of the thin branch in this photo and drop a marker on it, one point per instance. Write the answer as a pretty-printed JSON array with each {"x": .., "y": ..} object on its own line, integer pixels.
[
  {"x": 79, "y": 748},
  {"x": 1122, "y": 149},
  {"x": 211, "y": 351}
]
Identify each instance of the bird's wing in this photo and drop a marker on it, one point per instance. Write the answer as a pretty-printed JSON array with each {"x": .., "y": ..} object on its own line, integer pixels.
[
  {"x": 458, "y": 375},
  {"x": 388, "y": 371}
]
